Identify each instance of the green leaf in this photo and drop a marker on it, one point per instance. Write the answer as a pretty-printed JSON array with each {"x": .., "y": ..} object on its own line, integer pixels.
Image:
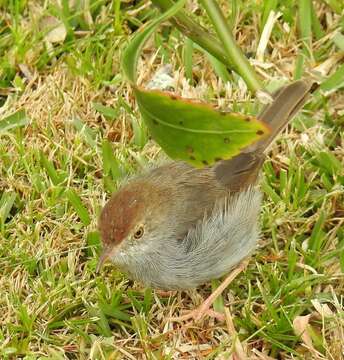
[
  {"x": 147, "y": 300},
  {"x": 140, "y": 133},
  {"x": 187, "y": 130},
  {"x": 195, "y": 132},
  {"x": 15, "y": 120},
  {"x": 271, "y": 192}
]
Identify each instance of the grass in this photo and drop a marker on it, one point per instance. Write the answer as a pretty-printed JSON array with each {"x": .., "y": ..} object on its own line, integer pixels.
[{"x": 70, "y": 131}]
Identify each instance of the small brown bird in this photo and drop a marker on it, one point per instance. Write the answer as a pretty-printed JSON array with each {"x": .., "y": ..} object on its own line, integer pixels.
[{"x": 177, "y": 227}]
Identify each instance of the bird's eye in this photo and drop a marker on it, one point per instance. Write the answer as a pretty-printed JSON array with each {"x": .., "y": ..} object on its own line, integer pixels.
[{"x": 139, "y": 232}]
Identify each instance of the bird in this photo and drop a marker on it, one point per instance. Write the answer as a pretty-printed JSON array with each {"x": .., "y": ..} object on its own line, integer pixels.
[{"x": 176, "y": 227}]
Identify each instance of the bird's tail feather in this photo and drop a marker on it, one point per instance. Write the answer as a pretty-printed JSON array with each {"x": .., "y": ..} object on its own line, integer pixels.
[
  {"x": 243, "y": 169},
  {"x": 287, "y": 102}
]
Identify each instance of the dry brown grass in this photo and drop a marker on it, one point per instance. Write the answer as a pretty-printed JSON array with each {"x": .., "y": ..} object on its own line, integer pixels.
[{"x": 53, "y": 304}]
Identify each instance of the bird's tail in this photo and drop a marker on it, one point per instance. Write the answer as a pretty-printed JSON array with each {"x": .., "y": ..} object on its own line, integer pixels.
[
  {"x": 287, "y": 101},
  {"x": 242, "y": 170}
]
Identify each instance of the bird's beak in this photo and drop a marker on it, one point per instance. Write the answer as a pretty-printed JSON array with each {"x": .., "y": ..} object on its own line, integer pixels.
[{"x": 103, "y": 257}]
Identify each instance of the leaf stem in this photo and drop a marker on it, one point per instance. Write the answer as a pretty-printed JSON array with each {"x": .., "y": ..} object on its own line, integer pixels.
[
  {"x": 232, "y": 50},
  {"x": 195, "y": 32}
]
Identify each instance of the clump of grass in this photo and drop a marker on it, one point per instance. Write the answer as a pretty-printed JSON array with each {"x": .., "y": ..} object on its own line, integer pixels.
[{"x": 69, "y": 131}]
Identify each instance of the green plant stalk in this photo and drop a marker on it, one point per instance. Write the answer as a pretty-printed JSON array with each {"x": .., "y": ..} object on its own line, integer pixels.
[
  {"x": 196, "y": 33},
  {"x": 188, "y": 50},
  {"x": 117, "y": 23},
  {"x": 242, "y": 65},
  {"x": 305, "y": 20},
  {"x": 316, "y": 25}
]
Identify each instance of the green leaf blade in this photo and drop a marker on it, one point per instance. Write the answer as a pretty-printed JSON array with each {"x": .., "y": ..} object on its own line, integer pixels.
[
  {"x": 195, "y": 132},
  {"x": 15, "y": 120},
  {"x": 111, "y": 165},
  {"x": 335, "y": 81},
  {"x": 134, "y": 48},
  {"x": 78, "y": 206},
  {"x": 188, "y": 131}
]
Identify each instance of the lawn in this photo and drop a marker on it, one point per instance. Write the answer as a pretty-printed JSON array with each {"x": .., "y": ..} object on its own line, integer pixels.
[{"x": 70, "y": 131}]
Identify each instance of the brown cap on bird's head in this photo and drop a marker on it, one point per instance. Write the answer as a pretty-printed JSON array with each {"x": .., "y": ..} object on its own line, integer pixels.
[
  {"x": 118, "y": 218},
  {"x": 126, "y": 213}
]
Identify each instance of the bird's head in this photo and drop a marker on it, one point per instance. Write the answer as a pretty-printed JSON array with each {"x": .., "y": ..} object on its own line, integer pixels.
[{"x": 131, "y": 219}]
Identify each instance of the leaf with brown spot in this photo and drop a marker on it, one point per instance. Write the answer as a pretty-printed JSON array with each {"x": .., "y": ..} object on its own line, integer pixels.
[
  {"x": 177, "y": 124},
  {"x": 185, "y": 125}
]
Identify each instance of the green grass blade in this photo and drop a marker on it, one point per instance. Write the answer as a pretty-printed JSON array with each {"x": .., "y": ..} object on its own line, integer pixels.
[
  {"x": 6, "y": 203},
  {"x": 18, "y": 119},
  {"x": 88, "y": 133},
  {"x": 219, "y": 68},
  {"x": 188, "y": 64},
  {"x": 305, "y": 20},
  {"x": 316, "y": 25},
  {"x": 335, "y": 81},
  {"x": 317, "y": 237},
  {"x": 218, "y": 304},
  {"x": 109, "y": 112},
  {"x": 50, "y": 168},
  {"x": 110, "y": 163},
  {"x": 268, "y": 6},
  {"x": 315, "y": 240},
  {"x": 299, "y": 66},
  {"x": 117, "y": 22},
  {"x": 271, "y": 192},
  {"x": 78, "y": 206}
]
